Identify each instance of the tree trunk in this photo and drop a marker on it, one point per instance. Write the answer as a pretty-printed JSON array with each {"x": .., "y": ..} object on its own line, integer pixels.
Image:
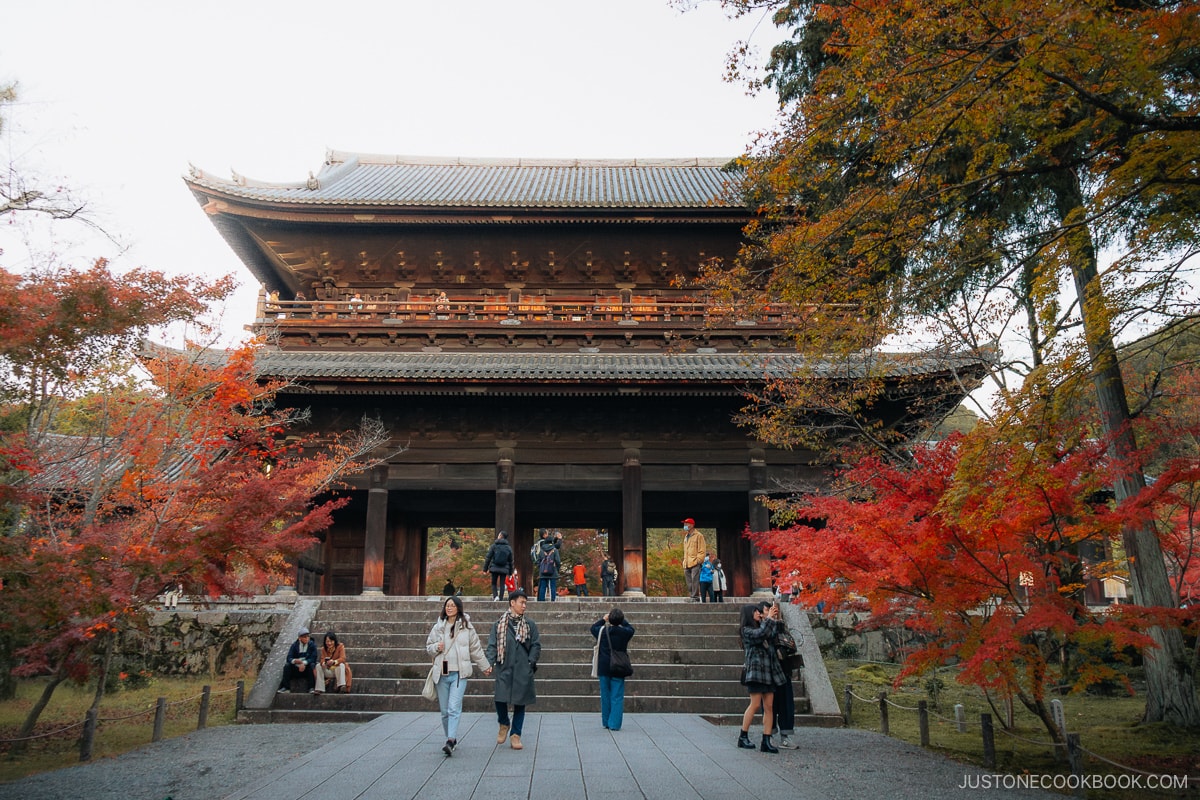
[
  {"x": 8, "y": 684},
  {"x": 1170, "y": 684},
  {"x": 31, "y": 719},
  {"x": 1039, "y": 710},
  {"x": 102, "y": 674}
]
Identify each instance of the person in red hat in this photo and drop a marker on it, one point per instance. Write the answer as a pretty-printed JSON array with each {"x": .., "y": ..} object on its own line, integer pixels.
[{"x": 694, "y": 548}]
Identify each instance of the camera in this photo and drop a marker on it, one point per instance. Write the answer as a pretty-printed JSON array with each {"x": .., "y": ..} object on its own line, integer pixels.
[{"x": 445, "y": 667}]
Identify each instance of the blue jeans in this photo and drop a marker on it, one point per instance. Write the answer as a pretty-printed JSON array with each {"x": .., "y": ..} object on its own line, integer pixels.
[
  {"x": 518, "y": 717},
  {"x": 612, "y": 702},
  {"x": 450, "y": 691},
  {"x": 552, "y": 580}
]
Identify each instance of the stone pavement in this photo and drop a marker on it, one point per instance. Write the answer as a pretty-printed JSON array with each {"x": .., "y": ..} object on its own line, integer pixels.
[
  {"x": 566, "y": 756},
  {"x": 673, "y": 757}
]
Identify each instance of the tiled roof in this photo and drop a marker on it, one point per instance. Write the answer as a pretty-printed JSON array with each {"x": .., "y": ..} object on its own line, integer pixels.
[
  {"x": 590, "y": 368},
  {"x": 400, "y": 181}
]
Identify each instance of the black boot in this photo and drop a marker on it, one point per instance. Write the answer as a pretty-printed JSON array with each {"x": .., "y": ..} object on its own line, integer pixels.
[
  {"x": 766, "y": 745},
  {"x": 744, "y": 741}
]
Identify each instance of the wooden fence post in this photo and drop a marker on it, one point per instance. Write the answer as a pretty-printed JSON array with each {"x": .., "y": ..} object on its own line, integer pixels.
[
  {"x": 848, "y": 695},
  {"x": 1075, "y": 759},
  {"x": 883, "y": 713},
  {"x": 240, "y": 697},
  {"x": 923, "y": 721},
  {"x": 989, "y": 741},
  {"x": 89, "y": 735},
  {"x": 205, "y": 694},
  {"x": 160, "y": 716}
]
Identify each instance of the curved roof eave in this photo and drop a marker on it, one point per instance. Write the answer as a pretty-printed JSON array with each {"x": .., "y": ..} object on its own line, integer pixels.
[{"x": 398, "y": 182}]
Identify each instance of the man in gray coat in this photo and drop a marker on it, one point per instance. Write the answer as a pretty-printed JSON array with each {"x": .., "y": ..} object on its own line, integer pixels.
[{"x": 513, "y": 649}]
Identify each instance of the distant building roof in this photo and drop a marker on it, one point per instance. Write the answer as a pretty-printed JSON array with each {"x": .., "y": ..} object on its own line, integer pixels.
[{"x": 404, "y": 181}]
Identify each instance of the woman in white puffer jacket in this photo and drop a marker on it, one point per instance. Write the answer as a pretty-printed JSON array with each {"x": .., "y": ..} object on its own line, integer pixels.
[{"x": 454, "y": 646}]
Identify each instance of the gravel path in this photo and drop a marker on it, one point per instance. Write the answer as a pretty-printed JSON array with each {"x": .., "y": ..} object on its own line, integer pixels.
[{"x": 203, "y": 765}]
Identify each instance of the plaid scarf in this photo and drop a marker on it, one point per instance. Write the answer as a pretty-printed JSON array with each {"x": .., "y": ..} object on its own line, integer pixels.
[{"x": 520, "y": 632}]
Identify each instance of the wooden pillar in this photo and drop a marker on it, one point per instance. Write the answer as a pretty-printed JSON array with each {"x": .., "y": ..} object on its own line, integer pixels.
[
  {"x": 374, "y": 545},
  {"x": 506, "y": 494},
  {"x": 760, "y": 520},
  {"x": 416, "y": 552},
  {"x": 633, "y": 536},
  {"x": 407, "y": 575}
]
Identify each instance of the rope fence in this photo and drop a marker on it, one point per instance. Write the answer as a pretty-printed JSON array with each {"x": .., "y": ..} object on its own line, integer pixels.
[
  {"x": 91, "y": 722},
  {"x": 1070, "y": 748}
]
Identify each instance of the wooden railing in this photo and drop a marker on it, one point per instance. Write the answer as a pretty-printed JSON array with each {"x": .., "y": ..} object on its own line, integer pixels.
[{"x": 526, "y": 309}]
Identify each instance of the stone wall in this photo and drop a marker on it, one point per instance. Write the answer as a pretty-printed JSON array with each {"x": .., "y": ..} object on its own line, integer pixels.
[
  {"x": 220, "y": 641},
  {"x": 839, "y": 635}
]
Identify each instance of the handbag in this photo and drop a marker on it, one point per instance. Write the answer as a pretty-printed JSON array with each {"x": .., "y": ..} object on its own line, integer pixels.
[
  {"x": 785, "y": 644},
  {"x": 429, "y": 691},
  {"x": 618, "y": 661},
  {"x": 596, "y": 658}
]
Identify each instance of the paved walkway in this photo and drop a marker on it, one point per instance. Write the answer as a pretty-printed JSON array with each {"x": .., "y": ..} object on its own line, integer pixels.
[{"x": 566, "y": 756}]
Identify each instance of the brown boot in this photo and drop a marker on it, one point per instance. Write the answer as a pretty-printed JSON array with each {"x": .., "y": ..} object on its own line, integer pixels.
[
  {"x": 514, "y": 741},
  {"x": 502, "y": 735}
]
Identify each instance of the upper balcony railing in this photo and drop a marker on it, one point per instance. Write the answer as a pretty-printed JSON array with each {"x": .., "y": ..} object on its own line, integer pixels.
[{"x": 530, "y": 309}]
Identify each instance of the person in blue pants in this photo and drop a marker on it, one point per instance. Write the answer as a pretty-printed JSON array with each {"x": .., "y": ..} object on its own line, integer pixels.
[{"x": 613, "y": 633}]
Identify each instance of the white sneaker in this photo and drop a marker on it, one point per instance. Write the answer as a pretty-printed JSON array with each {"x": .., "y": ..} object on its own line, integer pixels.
[{"x": 787, "y": 743}]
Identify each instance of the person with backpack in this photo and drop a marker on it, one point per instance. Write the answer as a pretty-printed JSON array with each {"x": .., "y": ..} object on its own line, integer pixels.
[
  {"x": 608, "y": 577},
  {"x": 499, "y": 563},
  {"x": 546, "y": 566}
]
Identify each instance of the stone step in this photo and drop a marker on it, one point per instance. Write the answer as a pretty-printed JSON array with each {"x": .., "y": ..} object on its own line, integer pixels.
[
  {"x": 572, "y": 685},
  {"x": 552, "y": 642},
  {"x": 549, "y": 670},
  {"x": 481, "y": 700},
  {"x": 420, "y": 624},
  {"x": 592, "y": 604},
  {"x": 574, "y": 655},
  {"x": 687, "y": 658}
]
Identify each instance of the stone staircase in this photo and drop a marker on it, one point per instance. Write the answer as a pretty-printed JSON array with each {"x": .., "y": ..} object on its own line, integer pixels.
[{"x": 686, "y": 656}]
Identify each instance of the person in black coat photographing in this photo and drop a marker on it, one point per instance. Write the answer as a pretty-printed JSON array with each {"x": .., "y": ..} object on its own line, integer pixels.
[
  {"x": 499, "y": 562},
  {"x": 613, "y": 633}
]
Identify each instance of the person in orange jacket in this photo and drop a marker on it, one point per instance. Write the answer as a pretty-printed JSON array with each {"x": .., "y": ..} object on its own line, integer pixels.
[{"x": 580, "y": 575}]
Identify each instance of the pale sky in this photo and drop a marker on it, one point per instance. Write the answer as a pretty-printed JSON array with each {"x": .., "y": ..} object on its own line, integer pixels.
[{"x": 116, "y": 99}]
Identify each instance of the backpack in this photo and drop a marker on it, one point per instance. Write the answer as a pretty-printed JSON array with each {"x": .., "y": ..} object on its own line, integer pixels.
[{"x": 546, "y": 565}]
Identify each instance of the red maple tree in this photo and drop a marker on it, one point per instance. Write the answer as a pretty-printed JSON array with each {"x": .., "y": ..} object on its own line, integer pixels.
[
  {"x": 185, "y": 476},
  {"x": 974, "y": 547}
]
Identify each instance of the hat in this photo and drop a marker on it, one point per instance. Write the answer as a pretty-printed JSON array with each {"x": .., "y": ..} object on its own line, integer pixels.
[
  {"x": 690, "y": 521},
  {"x": 303, "y": 632}
]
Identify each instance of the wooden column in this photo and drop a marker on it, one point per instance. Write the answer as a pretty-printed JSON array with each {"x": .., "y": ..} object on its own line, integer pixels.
[
  {"x": 760, "y": 520},
  {"x": 506, "y": 494},
  {"x": 405, "y": 572},
  {"x": 373, "y": 549},
  {"x": 633, "y": 536}
]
